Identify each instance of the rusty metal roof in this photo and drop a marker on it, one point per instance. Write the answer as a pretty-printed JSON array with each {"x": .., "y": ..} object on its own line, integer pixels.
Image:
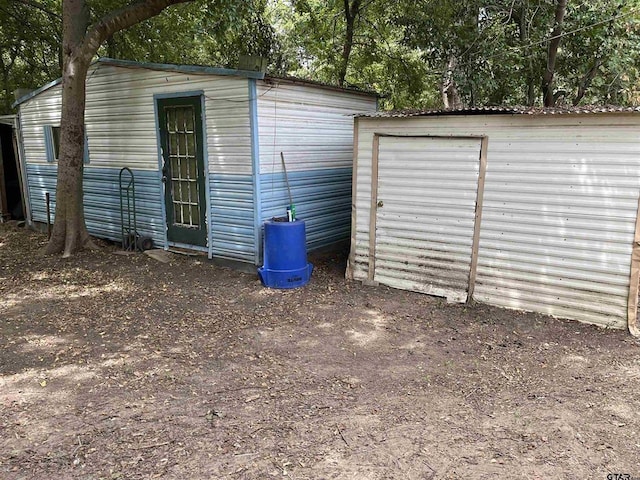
[
  {"x": 502, "y": 110},
  {"x": 305, "y": 81}
]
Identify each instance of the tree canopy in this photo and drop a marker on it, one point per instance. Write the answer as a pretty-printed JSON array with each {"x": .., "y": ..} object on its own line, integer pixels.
[{"x": 420, "y": 54}]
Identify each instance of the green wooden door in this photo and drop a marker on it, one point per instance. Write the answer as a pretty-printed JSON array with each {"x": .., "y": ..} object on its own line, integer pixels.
[{"x": 180, "y": 121}]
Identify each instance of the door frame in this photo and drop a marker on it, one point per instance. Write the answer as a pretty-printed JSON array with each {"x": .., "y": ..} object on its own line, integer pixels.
[
  {"x": 373, "y": 208},
  {"x": 633, "y": 325},
  {"x": 205, "y": 154}
]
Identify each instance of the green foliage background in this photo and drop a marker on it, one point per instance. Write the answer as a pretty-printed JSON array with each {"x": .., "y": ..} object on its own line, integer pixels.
[{"x": 402, "y": 49}]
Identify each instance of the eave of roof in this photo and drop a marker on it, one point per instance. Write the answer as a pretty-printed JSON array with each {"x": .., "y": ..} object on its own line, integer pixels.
[
  {"x": 580, "y": 110},
  {"x": 193, "y": 69},
  {"x": 164, "y": 67},
  {"x": 8, "y": 120},
  {"x": 315, "y": 83},
  {"x": 169, "y": 67}
]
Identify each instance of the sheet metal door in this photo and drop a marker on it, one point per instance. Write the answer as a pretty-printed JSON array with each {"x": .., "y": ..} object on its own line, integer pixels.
[{"x": 426, "y": 207}]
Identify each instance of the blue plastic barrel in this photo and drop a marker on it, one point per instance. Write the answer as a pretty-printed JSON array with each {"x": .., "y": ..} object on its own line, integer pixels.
[{"x": 285, "y": 255}]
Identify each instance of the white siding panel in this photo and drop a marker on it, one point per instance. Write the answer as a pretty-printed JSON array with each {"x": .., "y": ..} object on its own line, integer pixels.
[
  {"x": 34, "y": 115},
  {"x": 427, "y": 189},
  {"x": 559, "y": 210},
  {"x": 560, "y": 200},
  {"x": 121, "y": 124},
  {"x": 312, "y": 126}
]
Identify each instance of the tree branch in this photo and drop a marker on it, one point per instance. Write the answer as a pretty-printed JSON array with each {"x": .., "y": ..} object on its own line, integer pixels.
[
  {"x": 121, "y": 20},
  {"x": 586, "y": 80}
]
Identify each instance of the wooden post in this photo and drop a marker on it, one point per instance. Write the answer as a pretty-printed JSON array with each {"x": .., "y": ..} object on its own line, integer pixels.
[
  {"x": 47, "y": 198},
  {"x": 478, "y": 218}
]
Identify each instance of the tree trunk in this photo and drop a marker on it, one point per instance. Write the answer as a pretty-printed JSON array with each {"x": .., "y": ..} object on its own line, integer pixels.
[
  {"x": 79, "y": 46},
  {"x": 522, "y": 17},
  {"x": 449, "y": 90},
  {"x": 7, "y": 90},
  {"x": 69, "y": 230},
  {"x": 351, "y": 12},
  {"x": 547, "y": 80}
]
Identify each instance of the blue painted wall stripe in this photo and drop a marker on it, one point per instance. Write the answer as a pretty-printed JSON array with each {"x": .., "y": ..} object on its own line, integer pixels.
[
  {"x": 232, "y": 217},
  {"x": 101, "y": 200},
  {"x": 322, "y": 198}
]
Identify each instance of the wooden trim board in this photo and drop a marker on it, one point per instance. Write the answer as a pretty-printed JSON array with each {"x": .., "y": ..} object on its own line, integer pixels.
[
  {"x": 634, "y": 281},
  {"x": 374, "y": 207},
  {"x": 484, "y": 144}
]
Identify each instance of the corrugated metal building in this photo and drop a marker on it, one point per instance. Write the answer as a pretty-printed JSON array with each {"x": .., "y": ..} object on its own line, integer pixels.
[
  {"x": 533, "y": 209},
  {"x": 214, "y": 136}
]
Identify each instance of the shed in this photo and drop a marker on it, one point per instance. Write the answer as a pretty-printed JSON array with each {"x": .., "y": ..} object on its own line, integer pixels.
[
  {"x": 214, "y": 136},
  {"x": 11, "y": 185},
  {"x": 525, "y": 208}
]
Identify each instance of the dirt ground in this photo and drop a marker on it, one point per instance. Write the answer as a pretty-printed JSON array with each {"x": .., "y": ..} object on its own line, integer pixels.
[{"x": 122, "y": 367}]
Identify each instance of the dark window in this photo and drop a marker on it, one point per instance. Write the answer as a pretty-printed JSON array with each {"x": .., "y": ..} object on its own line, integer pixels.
[
  {"x": 52, "y": 143},
  {"x": 55, "y": 137}
]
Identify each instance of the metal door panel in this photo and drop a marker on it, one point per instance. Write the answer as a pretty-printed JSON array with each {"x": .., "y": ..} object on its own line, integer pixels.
[{"x": 426, "y": 207}]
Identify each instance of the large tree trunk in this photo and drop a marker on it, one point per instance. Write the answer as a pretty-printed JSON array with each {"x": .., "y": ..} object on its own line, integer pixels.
[
  {"x": 79, "y": 46},
  {"x": 69, "y": 230},
  {"x": 556, "y": 34}
]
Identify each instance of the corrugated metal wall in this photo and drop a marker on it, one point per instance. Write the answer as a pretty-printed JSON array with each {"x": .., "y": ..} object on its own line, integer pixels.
[
  {"x": 232, "y": 217},
  {"x": 313, "y": 127},
  {"x": 101, "y": 200},
  {"x": 34, "y": 114},
  {"x": 121, "y": 131},
  {"x": 559, "y": 210},
  {"x": 120, "y": 118},
  {"x": 322, "y": 198},
  {"x": 426, "y": 201},
  {"x": 558, "y": 223}
]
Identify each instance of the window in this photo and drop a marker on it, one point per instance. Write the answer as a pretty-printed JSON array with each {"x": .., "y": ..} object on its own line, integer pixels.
[{"x": 52, "y": 143}]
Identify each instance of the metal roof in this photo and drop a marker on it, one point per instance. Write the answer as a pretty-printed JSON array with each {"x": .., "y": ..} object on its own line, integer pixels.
[
  {"x": 8, "y": 120},
  {"x": 518, "y": 110},
  {"x": 192, "y": 69},
  {"x": 315, "y": 83},
  {"x": 169, "y": 67},
  {"x": 165, "y": 67}
]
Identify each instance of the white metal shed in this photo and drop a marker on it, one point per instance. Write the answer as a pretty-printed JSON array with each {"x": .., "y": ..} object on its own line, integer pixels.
[
  {"x": 533, "y": 209},
  {"x": 204, "y": 146}
]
